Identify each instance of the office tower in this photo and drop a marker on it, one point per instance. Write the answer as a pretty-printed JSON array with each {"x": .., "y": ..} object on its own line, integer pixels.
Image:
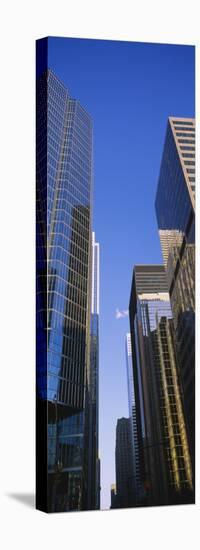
[
  {"x": 124, "y": 464},
  {"x": 94, "y": 463},
  {"x": 175, "y": 210},
  {"x": 64, "y": 173},
  {"x": 145, "y": 279},
  {"x": 113, "y": 496},
  {"x": 163, "y": 445},
  {"x": 137, "y": 489}
]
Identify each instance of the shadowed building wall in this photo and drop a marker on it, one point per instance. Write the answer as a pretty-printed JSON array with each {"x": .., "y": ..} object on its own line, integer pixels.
[
  {"x": 137, "y": 488},
  {"x": 124, "y": 464},
  {"x": 94, "y": 462}
]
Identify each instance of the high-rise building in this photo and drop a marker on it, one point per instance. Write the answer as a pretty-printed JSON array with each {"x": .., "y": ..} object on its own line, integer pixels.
[
  {"x": 64, "y": 174},
  {"x": 147, "y": 278},
  {"x": 113, "y": 496},
  {"x": 175, "y": 210},
  {"x": 163, "y": 444},
  {"x": 94, "y": 463},
  {"x": 124, "y": 464},
  {"x": 137, "y": 489}
]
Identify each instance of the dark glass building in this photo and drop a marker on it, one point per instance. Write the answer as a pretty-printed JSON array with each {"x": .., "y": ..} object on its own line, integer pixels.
[
  {"x": 113, "y": 496},
  {"x": 64, "y": 175},
  {"x": 124, "y": 465},
  {"x": 175, "y": 210},
  {"x": 94, "y": 462},
  {"x": 165, "y": 463}
]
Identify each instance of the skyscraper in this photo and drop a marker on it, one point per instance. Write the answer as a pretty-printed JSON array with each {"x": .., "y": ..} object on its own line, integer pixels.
[
  {"x": 164, "y": 449},
  {"x": 149, "y": 279},
  {"x": 113, "y": 496},
  {"x": 64, "y": 174},
  {"x": 175, "y": 210},
  {"x": 124, "y": 464},
  {"x": 137, "y": 490},
  {"x": 94, "y": 466}
]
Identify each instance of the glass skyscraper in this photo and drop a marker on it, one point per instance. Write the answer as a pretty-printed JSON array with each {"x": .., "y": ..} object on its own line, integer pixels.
[
  {"x": 175, "y": 210},
  {"x": 137, "y": 489},
  {"x": 164, "y": 449},
  {"x": 64, "y": 176},
  {"x": 94, "y": 461}
]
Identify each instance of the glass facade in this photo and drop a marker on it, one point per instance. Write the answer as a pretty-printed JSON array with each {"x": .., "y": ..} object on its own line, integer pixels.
[
  {"x": 169, "y": 474},
  {"x": 137, "y": 488},
  {"x": 124, "y": 465},
  {"x": 94, "y": 462},
  {"x": 64, "y": 175},
  {"x": 175, "y": 210},
  {"x": 164, "y": 447}
]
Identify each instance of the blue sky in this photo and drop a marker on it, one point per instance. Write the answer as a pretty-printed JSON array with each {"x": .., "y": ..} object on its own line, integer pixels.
[{"x": 129, "y": 89}]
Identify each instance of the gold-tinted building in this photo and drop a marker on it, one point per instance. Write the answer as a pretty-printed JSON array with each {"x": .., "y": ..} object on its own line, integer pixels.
[
  {"x": 175, "y": 210},
  {"x": 164, "y": 448}
]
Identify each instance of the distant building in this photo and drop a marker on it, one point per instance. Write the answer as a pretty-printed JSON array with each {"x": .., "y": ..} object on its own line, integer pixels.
[
  {"x": 113, "y": 496},
  {"x": 175, "y": 210},
  {"x": 163, "y": 444},
  {"x": 137, "y": 489},
  {"x": 124, "y": 464}
]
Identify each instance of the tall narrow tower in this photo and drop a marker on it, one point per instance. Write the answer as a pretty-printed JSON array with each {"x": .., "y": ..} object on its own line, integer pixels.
[
  {"x": 94, "y": 461},
  {"x": 137, "y": 490}
]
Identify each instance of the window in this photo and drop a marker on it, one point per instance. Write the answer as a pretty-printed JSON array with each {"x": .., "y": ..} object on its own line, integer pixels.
[
  {"x": 186, "y": 147},
  {"x": 184, "y": 129},
  {"x": 181, "y": 134},
  {"x": 183, "y": 122},
  {"x": 186, "y": 141}
]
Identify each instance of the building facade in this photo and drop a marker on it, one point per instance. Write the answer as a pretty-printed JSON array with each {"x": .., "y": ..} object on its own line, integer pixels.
[
  {"x": 64, "y": 176},
  {"x": 124, "y": 464},
  {"x": 113, "y": 496},
  {"x": 175, "y": 211},
  {"x": 94, "y": 461},
  {"x": 137, "y": 487},
  {"x": 164, "y": 448}
]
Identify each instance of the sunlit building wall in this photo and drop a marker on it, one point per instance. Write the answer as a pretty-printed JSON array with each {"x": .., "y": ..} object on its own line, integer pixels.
[
  {"x": 167, "y": 473},
  {"x": 175, "y": 210}
]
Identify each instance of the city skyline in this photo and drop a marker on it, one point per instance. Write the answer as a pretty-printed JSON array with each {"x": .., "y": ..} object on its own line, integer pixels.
[{"x": 142, "y": 252}]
